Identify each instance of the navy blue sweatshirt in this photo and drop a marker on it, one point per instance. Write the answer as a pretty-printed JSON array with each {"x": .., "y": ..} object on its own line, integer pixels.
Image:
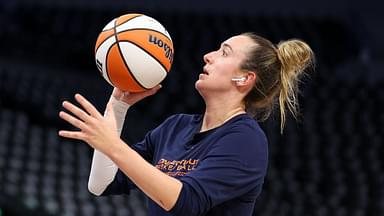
[{"x": 222, "y": 170}]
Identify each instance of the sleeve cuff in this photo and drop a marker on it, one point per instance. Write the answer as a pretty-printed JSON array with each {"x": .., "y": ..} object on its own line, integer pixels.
[
  {"x": 120, "y": 109},
  {"x": 118, "y": 105}
]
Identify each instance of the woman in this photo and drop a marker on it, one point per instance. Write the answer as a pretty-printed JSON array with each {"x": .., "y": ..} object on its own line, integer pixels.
[{"x": 210, "y": 164}]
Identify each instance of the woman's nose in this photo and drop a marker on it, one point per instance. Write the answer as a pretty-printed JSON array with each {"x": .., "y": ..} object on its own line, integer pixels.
[{"x": 208, "y": 57}]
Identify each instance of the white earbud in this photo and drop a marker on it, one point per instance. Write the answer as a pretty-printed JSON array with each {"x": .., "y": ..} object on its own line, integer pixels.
[{"x": 238, "y": 79}]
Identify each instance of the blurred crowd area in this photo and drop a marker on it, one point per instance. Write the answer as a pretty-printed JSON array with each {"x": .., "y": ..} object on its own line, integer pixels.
[{"x": 326, "y": 163}]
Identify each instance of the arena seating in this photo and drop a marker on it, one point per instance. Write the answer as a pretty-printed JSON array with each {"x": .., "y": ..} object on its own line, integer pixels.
[
  {"x": 66, "y": 36},
  {"x": 45, "y": 172},
  {"x": 327, "y": 163}
]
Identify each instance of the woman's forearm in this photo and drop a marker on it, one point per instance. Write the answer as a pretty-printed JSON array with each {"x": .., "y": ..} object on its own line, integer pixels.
[
  {"x": 101, "y": 133},
  {"x": 103, "y": 169},
  {"x": 161, "y": 188}
]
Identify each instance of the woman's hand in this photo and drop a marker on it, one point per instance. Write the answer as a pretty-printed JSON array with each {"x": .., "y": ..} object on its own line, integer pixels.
[
  {"x": 100, "y": 133},
  {"x": 95, "y": 129},
  {"x": 132, "y": 98}
]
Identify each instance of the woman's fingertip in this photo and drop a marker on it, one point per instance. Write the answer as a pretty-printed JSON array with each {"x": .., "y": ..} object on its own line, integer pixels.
[
  {"x": 78, "y": 96},
  {"x": 61, "y": 114}
]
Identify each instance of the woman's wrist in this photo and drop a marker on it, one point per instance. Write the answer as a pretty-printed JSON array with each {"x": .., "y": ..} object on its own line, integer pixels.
[
  {"x": 119, "y": 104},
  {"x": 120, "y": 109}
]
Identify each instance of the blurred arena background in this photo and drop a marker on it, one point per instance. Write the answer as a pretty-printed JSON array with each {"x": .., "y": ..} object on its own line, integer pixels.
[{"x": 330, "y": 163}]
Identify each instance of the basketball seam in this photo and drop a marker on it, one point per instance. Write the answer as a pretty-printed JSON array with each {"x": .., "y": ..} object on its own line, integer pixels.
[
  {"x": 138, "y": 15},
  {"x": 101, "y": 43},
  {"x": 125, "y": 63},
  {"x": 141, "y": 48},
  {"x": 149, "y": 29},
  {"x": 138, "y": 29},
  {"x": 106, "y": 65}
]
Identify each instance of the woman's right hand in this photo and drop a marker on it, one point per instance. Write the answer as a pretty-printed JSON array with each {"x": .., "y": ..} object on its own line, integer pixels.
[{"x": 132, "y": 98}]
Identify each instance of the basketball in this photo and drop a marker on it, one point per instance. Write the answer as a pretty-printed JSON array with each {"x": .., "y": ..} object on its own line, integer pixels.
[{"x": 134, "y": 52}]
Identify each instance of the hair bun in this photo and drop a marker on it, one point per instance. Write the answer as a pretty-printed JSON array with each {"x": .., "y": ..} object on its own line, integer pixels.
[{"x": 294, "y": 55}]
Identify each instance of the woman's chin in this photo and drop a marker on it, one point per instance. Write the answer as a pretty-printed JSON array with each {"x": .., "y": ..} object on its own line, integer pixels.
[{"x": 199, "y": 85}]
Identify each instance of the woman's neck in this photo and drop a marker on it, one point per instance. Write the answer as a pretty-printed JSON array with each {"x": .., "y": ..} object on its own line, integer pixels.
[{"x": 215, "y": 116}]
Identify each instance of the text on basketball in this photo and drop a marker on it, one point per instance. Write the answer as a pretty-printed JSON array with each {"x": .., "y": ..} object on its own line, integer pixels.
[{"x": 168, "y": 50}]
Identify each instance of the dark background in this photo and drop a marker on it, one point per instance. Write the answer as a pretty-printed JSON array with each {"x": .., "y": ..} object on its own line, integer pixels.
[{"x": 326, "y": 163}]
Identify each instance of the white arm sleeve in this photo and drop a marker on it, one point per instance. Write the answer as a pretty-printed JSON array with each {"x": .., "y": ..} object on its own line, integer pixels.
[{"x": 103, "y": 169}]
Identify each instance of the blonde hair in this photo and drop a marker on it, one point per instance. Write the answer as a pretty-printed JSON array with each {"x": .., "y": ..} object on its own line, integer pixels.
[
  {"x": 295, "y": 55},
  {"x": 278, "y": 69}
]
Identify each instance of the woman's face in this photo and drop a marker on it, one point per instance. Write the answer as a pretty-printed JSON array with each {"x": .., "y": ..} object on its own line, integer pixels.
[{"x": 223, "y": 64}]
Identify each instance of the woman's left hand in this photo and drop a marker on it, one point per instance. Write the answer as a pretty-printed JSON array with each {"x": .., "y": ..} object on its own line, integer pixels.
[{"x": 95, "y": 129}]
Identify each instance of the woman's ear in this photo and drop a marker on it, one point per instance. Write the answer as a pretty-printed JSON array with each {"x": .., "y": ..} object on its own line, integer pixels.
[{"x": 248, "y": 79}]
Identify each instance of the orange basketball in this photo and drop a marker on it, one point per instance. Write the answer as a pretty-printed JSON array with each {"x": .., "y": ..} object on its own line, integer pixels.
[{"x": 134, "y": 52}]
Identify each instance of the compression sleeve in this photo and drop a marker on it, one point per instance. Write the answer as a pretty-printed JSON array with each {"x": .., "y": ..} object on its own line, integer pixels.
[{"x": 103, "y": 169}]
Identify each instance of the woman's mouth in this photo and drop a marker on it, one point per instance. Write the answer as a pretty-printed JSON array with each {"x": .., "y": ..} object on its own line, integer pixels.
[{"x": 205, "y": 71}]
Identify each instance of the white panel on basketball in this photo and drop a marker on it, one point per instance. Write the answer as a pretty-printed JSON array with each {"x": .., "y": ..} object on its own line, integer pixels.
[
  {"x": 142, "y": 22},
  {"x": 101, "y": 55},
  {"x": 110, "y": 25},
  {"x": 147, "y": 71}
]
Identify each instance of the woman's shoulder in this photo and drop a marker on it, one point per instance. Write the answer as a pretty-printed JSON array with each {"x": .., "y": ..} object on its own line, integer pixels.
[
  {"x": 244, "y": 137},
  {"x": 245, "y": 124},
  {"x": 245, "y": 132}
]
